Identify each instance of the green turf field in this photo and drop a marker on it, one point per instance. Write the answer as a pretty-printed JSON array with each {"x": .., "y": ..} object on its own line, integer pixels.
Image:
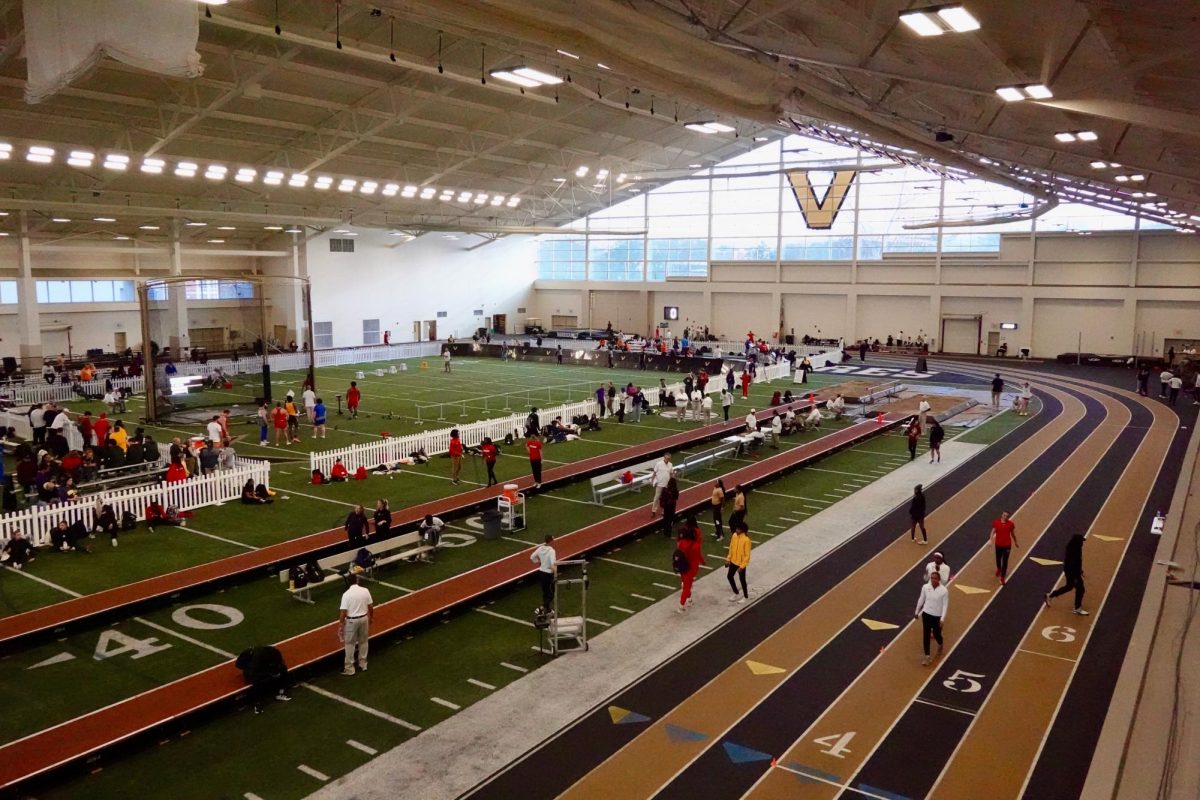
[{"x": 335, "y": 723}]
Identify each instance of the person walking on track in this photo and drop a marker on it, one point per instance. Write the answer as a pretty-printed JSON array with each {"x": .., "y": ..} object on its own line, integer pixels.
[
  {"x": 1072, "y": 573},
  {"x": 670, "y": 497},
  {"x": 490, "y": 454},
  {"x": 659, "y": 475},
  {"x": 353, "y": 398},
  {"x": 534, "y": 446},
  {"x": 916, "y": 512},
  {"x": 936, "y": 435},
  {"x": 997, "y": 389},
  {"x": 355, "y": 615},
  {"x": 688, "y": 546},
  {"x": 931, "y": 610},
  {"x": 456, "y": 456},
  {"x": 1004, "y": 538},
  {"x": 718, "y": 504},
  {"x": 913, "y": 432},
  {"x": 736, "y": 562},
  {"x": 939, "y": 566}
]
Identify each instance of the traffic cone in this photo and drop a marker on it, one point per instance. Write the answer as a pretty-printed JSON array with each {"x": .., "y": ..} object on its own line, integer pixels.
[{"x": 879, "y": 418}]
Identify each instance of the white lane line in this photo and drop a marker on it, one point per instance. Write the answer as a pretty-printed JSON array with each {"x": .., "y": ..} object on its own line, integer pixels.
[
  {"x": 446, "y": 703},
  {"x": 631, "y": 564},
  {"x": 601, "y": 623},
  {"x": 498, "y": 615},
  {"x": 184, "y": 637},
  {"x": 481, "y": 684},
  {"x": 789, "y": 496},
  {"x": 944, "y": 707},
  {"x": 789, "y": 519},
  {"x": 664, "y": 586},
  {"x": 360, "y": 746},
  {"x": 644, "y": 597},
  {"x": 509, "y": 538},
  {"x": 1047, "y": 655},
  {"x": 809, "y": 776},
  {"x": 312, "y": 773},
  {"x": 394, "y": 586},
  {"x": 818, "y": 508},
  {"x": 375, "y": 712},
  {"x": 622, "y": 610},
  {"x": 234, "y": 542},
  {"x": 513, "y": 667}
]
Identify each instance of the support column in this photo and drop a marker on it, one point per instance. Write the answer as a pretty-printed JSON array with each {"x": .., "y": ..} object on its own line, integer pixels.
[
  {"x": 177, "y": 318},
  {"x": 29, "y": 327},
  {"x": 293, "y": 295},
  {"x": 851, "y": 329}
]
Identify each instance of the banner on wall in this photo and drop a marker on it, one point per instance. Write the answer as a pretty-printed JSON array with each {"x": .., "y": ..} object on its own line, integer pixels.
[{"x": 820, "y": 213}]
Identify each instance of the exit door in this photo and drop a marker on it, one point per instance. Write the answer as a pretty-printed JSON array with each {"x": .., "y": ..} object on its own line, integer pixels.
[
  {"x": 500, "y": 323},
  {"x": 430, "y": 329},
  {"x": 119, "y": 341},
  {"x": 993, "y": 342}
]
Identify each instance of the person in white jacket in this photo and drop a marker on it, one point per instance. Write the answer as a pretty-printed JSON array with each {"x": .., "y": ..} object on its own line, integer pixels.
[
  {"x": 931, "y": 610},
  {"x": 660, "y": 475}
]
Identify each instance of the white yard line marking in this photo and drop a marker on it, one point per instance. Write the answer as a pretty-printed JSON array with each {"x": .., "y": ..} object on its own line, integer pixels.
[
  {"x": 44, "y": 582},
  {"x": 312, "y": 773},
  {"x": 601, "y": 623},
  {"x": 184, "y": 637},
  {"x": 631, "y": 564},
  {"x": 622, "y": 610},
  {"x": 776, "y": 527},
  {"x": 251, "y": 796},
  {"x": 664, "y": 586},
  {"x": 498, "y": 615},
  {"x": 367, "y": 709},
  {"x": 394, "y": 586},
  {"x": 644, "y": 597},
  {"x": 446, "y": 703},
  {"x": 360, "y": 746},
  {"x": 513, "y": 667},
  {"x": 318, "y": 497},
  {"x": 481, "y": 684},
  {"x": 234, "y": 542},
  {"x": 789, "y": 496}
]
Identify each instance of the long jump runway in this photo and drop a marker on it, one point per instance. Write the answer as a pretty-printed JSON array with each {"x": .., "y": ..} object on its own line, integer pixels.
[{"x": 817, "y": 690}]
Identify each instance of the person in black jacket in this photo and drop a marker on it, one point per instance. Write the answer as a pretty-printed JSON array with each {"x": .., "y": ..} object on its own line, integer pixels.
[
  {"x": 670, "y": 496},
  {"x": 383, "y": 519},
  {"x": 266, "y": 672},
  {"x": 936, "y": 435},
  {"x": 1073, "y": 573},
  {"x": 916, "y": 512}
]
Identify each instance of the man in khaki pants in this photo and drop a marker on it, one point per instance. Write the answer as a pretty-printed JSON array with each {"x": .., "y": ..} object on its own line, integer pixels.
[{"x": 354, "y": 623}]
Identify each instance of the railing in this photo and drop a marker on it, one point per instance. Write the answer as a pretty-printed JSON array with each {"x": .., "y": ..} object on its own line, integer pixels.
[
  {"x": 196, "y": 492},
  {"x": 34, "y": 392},
  {"x": 22, "y": 427}
]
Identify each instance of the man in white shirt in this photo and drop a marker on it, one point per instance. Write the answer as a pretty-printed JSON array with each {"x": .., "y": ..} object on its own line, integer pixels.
[
  {"x": 813, "y": 420},
  {"x": 697, "y": 399},
  {"x": 660, "y": 476},
  {"x": 922, "y": 410},
  {"x": 355, "y": 614},
  {"x": 37, "y": 419},
  {"x": 430, "y": 531},
  {"x": 939, "y": 566},
  {"x": 931, "y": 610},
  {"x": 838, "y": 406},
  {"x": 214, "y": 430},
  {"x": 751, "y": 422},
  {"x": 310, "y": 402},
  {"x": 726, "y": 402},
  {"x": 544, "y": 556},
  {"x": 1164, "y": 382},
  {"x": 776, "y": 428},
  {"x": 706, "y": 407},
  {"x": 1175, "y": 385}
]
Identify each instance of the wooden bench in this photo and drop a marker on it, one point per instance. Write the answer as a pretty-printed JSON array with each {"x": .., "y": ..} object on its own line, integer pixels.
[{"x": 330, "y": 565}]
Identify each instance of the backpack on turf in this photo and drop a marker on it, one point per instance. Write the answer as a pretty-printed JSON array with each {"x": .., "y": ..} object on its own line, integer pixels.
[{"x": 679, "y": 561}]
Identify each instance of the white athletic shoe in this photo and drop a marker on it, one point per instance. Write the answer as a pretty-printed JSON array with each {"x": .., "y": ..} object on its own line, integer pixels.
[
  {"x": 740, "y": 600},
  {"x": 735, "y": 598},
  {"x": 349, "y": 671},
  {"x": 680, "y": 609},
  {"x": 1081, "y": 612}
]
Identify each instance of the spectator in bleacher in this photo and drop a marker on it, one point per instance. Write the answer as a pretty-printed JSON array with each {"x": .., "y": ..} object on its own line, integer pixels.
[
  {"x": 209, "y": 458},
  {"x": 37, "y": 420},
  {"x": 85, "y": 428},
  {"x": 383, "y": 518},
  {"x": 227, "y": 456},
  {"x": 17, "y": 552},
  {"x": 119, "y": 435},
  {"x": 176, "y": 472},
  {"x": 255, "y": 495},
  {"x": 88, "y": 465},
  {"x": 357, "y": 526},
  {"x": 100, "y": 430},
  {"x": 71, "y": 463}
]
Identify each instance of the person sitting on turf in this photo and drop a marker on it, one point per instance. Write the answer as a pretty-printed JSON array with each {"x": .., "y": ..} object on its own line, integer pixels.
[
  {"x": 838, "y": 406},
  {"x": 17, "y": 552},
  {"x": 106, "y": 522},
  {"x": 776, "y": 399},
  {"x": 787, "y": 397},
  {"x": 338, "y": 472},
  {"x": 250, "y": 495},
  {"x": 66, "y": 537},
  {"x": 813, "y": 420}
]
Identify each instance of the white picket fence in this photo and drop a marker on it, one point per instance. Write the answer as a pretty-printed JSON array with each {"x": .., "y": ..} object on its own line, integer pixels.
[
  {"x": 35, "y": 392},
  {"x": 196, "y": 492}
]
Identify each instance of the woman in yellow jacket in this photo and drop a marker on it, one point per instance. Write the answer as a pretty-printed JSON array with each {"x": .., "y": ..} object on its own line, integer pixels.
[{"x": 737, "y": 561}]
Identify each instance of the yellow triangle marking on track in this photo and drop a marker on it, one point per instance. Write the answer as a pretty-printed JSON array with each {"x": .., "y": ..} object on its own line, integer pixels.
[
  {"x": 876, "y": 625},
  {"x": 617, "y": 713},
  {"x": 1104, "y": 538},
  {"x": 1045, "y": 562},
  {"x": 759, "y": 668},
  {"x": 971, "y": 589}
]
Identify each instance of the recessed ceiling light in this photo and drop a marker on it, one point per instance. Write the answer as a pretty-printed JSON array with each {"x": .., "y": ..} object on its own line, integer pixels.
[
  {"x": 40, "y": 155},
  {"x": 513, "y": 202},
  {"x": 922, "y": 23},
  {"x": 1034, "y": 91},
  {"x": 390, "y": 189},
  {"x": 760, "y": 138},
  {"x": 294, "y": 230},
  {"x": 245, "y": 175},
  {"x": 1099, "y": 164},
  {"x": 298, "y": 179},
  {"x": 603, "y": 66},
  {"x": 1087, "y": 136},
  {"x": 958, "y": 18},
  {"x": 368, "y": 187},
  {"x": 511, "y": 77},
  {"x": 527, "y": 77},
  {"x": 1065, "y": 136},
  {"x": 695, "y": 166},
  {"x": 3, "y": 233},
  {"x": 1039, "y": 91},
  {"x": 5, "y": 151},
  {"x": 581, "y": 171},
  {"x": 81, "y": 158},
  {"x": 273, "y": 178},
  {"x": 428, "y": 192},
  {"x": 347, "y": 185},
  {"x": 153, "y": 166}
]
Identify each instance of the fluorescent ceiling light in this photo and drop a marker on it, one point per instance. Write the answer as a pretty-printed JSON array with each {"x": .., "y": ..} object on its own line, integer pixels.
[
  {"x": 121, "y": 238},
  {"x": 104, "y": 219},
  {"x": 1099, "y": 164},
  {"x": 410, "y": 190},
  {"x": 391, "y": 189},
  {"x": 298, "y": 179},
  {"x": 513, "y": 202},
  {"x": 227, "y": 228},
  {"x": 272, "y": 227},
  {"x": 342, "y": 230},
  {"x": 481, "y": 198},
  {"x": 1122, "y": 178},
  {"x": 621, "y": 178},
  {"x": 464, "y": 197},
  {"x": 147, "y": 227},
  {"x": 294, "y": 229},
  {"x": 153, "y": 166},
  {"x": 1065, "y": 136},
  {"x": 216, "y": 241},
  {"x": 347, "y": 185},
  {"x": 698, "y": 127},
  {"x": 568, "y": 55},
  {"x": 544, "y": 78},
  {"x": 195, "y": 224},
  {"x": 3, "y": 233},
  {"x": 5, "y": 151},
  {"x": 603, "y": 66},
  {"x": 958, "y": 18},
  {"x": 512, "y": 77},
  {"x": 116, "y": 161},
  {"x": 38, "y": 150},
  {"x": 602, "y": 174},
  {"x": 1087, "y": 136},
  {"x": 1137, "y": 177},
  {"x": 497, "y": 199},
  {"x": 60, "y": 219},
  {"x": 581, "y": 172},
  {"x": 369, "y": 187},
  {"x": 1010, "y": 93},
  {"x": 273, "y": 178},
  {"x": 245, "y": 175},
  {"x": 1039, "y": 91},
  {"x": 559, "y": 180},
  {"x": 721, "y": 127},
  {"x": 428, "y": 192},
  {"x": 323, "y": 183},
  {"x": 350, "y": 233},
  {"x": 695, "y": 166},
  {"x": 921, "y": 23},
  {"x": 40, "y": 155}
]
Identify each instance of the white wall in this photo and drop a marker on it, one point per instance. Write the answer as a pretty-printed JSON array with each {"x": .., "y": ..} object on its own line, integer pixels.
[
  {"x": 903, "y": 315},
  {"x": 736, "y": 313},
  {"x": 818, "y": 315},
  {"x": 1058, "y": 325},
  {"x": 412, "y": 281}
]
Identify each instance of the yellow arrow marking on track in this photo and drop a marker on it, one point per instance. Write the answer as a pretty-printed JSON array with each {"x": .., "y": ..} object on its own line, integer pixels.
[
  {"x": 971, "y": 589},
  {"x": 1045, "y": 562},
  {"x": 1104, "y": 538},
  {"x": 759, "y": 668},
  {"x": 876, "y": 625}
]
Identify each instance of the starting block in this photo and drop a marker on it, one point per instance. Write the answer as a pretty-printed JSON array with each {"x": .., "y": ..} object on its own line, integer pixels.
[
  {"x": 379, "y": 373},
  {"x": 392, "y": 370},
  {"x": 360, "y": 375}
]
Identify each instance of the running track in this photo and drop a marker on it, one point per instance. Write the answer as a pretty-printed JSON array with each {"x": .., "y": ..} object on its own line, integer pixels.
[{"x": 1091, "y": 459}]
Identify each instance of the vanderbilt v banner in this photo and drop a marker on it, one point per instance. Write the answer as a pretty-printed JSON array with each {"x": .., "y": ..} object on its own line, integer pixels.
[{"x": 819, "y": 214}]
